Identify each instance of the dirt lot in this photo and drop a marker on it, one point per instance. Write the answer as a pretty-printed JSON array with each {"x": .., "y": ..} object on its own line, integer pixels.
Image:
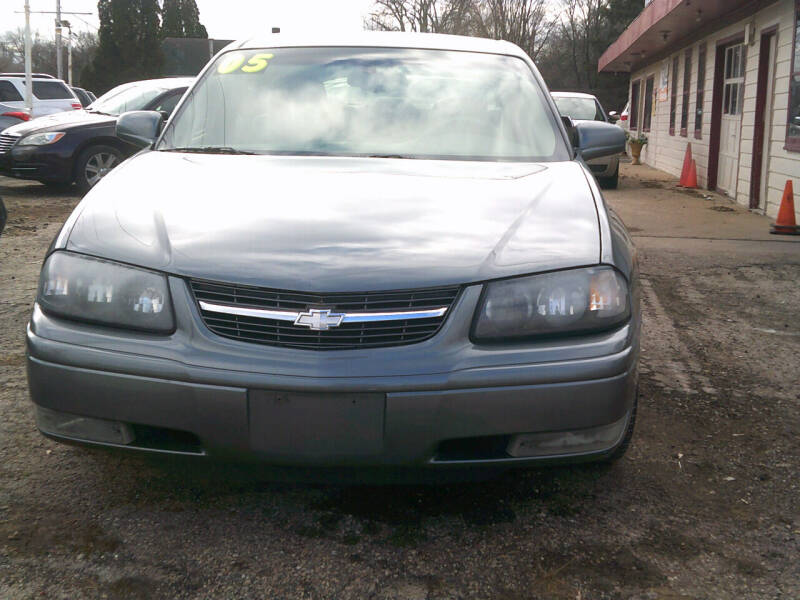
[{"x": 705, "y": 505}]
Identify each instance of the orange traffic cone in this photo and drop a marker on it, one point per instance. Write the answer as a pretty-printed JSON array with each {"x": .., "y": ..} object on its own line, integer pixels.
[
  {"x": 687, "y": 163},
  {"x": 691, "y": 178},
  {"x": 785, "y": 223}
]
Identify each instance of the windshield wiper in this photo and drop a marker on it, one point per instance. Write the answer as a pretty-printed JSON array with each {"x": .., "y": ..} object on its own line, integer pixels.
[
  {"x": 99, "y": 112},
  {"x": 391, "y": 156},
  {"x": 208, "y": 150}
]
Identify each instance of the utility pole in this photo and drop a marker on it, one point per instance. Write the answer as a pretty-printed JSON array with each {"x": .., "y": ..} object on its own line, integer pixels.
[
  {"x": 28, "y": 78},
  {"x": 58, "y": 39},
  {"x": 59, "y": 24},
  {"x": 68, "y": 25}
]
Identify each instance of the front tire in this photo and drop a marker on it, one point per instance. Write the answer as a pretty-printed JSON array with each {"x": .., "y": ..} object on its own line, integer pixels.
[
  {"x": 611, "y": 182},
  {"x": 93, "y": 164}
]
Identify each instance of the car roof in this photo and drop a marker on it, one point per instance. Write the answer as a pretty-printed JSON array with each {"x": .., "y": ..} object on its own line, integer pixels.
[
  {"x": 165, "y": 82},
  {"x": 573, "y": 95},
  {"x": 33, "y": 76},
  {"x": 382, "y": 39},
  {"x": 175, "y": 81}
]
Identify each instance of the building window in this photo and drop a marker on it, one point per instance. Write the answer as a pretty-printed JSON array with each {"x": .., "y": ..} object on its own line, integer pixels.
[
  {"x": 673, "y": 98},
  {"x": 734, "y": 80},
  {"x": 647, "y": 113},
  {"x": 701, "y": 84},
  {"x": 635, "y": 104},
  {"x": 793, "y": 126},
  {"x": 687, "y": 74}
]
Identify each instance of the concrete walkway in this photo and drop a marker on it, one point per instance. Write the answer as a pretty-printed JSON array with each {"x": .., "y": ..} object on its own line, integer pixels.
[{"x": 653, "y": 206}]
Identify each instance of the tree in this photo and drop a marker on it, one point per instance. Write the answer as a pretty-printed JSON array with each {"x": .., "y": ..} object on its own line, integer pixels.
[
  {"x": 181, "y": 19},
  {"x": 526, "y": 23},
  {"x": 426, "y": 16},
  {"x": 130, "y": 44},
  {"x": 565, "y": 44},
  {"x": 43, "y": 52},
  {"x": 586, "y": 29}
]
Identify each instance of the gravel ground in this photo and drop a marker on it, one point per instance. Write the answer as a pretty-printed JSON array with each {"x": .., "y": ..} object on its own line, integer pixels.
[{"x": 704, "y": 505}]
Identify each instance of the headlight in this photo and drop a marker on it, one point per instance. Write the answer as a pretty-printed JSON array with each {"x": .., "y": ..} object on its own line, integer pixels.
[
  {"x": 41, "y": 139},
  {"x": 578, "y": 300},
  {"x": 99, "y": 291}
]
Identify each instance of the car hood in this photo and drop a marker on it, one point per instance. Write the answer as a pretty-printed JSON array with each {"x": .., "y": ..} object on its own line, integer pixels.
[
  {"x": 339, "y": 224},
  {"x": 62, "y": 121}
]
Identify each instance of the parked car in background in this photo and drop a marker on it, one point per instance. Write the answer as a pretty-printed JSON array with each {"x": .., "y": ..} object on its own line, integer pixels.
[
  {"x": 9, "y": 118},
  {"x": 585, "y": 107},
  {"x": 50, "y": 95},
  {"x": 623, "y": 117},
  {"x": 82, "y": 146},
  {"x": 85, "y": 97},
  {"x": 379, "y": 252}
]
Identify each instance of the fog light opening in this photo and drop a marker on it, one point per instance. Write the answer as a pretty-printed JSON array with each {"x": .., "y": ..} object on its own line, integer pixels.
[
  {"x": 83, "y": 428},
  {"x": 595, "y": 439}
]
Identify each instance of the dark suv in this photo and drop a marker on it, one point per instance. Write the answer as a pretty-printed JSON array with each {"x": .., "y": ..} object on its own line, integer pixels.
[{"x": 81, "y": 146}]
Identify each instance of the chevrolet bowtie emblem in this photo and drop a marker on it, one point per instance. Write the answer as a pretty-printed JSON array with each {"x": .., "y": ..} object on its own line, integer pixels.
[{"x": 319, "y": 320}]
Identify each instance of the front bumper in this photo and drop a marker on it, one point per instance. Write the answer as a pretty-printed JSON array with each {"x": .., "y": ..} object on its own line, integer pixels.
[
  {"x": 40, "y": 163},
  {"x": 442, "y": 402}
]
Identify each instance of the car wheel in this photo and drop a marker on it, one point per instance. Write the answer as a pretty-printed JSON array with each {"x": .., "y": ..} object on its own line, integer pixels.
[
  {"x": 611, "y": 182},
  {"x": 620, "y": 450},
  {"x": 94, "y": 163}
]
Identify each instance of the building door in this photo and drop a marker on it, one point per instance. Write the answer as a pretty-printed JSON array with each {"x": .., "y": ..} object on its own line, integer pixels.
[
  {"x": 731, "y": 122},
  {"x": 762, "y": 132}
]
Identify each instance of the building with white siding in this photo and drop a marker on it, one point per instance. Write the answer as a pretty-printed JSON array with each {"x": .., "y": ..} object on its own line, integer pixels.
[{"x": 723, "y": 75}]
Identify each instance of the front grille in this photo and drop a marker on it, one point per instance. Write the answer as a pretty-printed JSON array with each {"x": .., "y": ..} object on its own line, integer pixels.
[
  {"x": 273, "y": 332},
  {"x": 6, "y": 141}
]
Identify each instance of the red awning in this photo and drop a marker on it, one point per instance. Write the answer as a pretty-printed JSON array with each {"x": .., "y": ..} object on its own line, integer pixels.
[{"x": 665, "y": 26}]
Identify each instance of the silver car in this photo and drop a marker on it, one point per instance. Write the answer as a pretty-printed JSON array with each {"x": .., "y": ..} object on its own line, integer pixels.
[
  {"x": 380, "y": 250},
  {"x": 585, "y": 107},
  {"x": 49, "y": 95}
]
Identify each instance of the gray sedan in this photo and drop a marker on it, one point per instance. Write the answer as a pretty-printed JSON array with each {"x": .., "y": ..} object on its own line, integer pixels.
[
  {"x": 380, "y": 251},
  {"x": 585, "y": 107}
]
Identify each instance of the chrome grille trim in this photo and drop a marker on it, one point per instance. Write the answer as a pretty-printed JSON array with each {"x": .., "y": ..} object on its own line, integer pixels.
[
  {"x": 365, "y": 317},
  {"x": 316, "y": 321},
  {"x": 6, "y": 141}
]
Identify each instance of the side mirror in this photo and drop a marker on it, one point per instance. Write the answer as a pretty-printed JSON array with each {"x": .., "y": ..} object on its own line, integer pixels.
[
  {"x": 613, "y": 117},
  {"x": 596, "y": 139},
  {"x": 570, "y": 127},
  {"x": 139, "y": 127}
]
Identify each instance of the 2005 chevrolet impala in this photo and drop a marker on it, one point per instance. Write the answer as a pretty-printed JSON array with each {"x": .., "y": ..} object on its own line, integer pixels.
[{"x": 384, "y": 250}]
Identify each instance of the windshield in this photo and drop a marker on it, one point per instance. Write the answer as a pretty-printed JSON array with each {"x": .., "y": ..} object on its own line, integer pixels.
[
  {"x": 369, "y": 102},
  {"x": 128, "y": 96},
  {"x": 579, "y": 109}
]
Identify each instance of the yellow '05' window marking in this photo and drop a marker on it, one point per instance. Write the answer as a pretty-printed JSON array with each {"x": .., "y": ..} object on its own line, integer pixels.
[
  {"x": 258, "y": 62},
  {"x": 236, "y": 61}
]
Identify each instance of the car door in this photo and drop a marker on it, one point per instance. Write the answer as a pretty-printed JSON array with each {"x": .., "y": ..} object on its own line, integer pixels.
[{"x": 11, "y": 99}]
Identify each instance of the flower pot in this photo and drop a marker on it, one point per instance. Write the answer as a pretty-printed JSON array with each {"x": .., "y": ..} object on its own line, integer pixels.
[{"x": 636, "y": 152}]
